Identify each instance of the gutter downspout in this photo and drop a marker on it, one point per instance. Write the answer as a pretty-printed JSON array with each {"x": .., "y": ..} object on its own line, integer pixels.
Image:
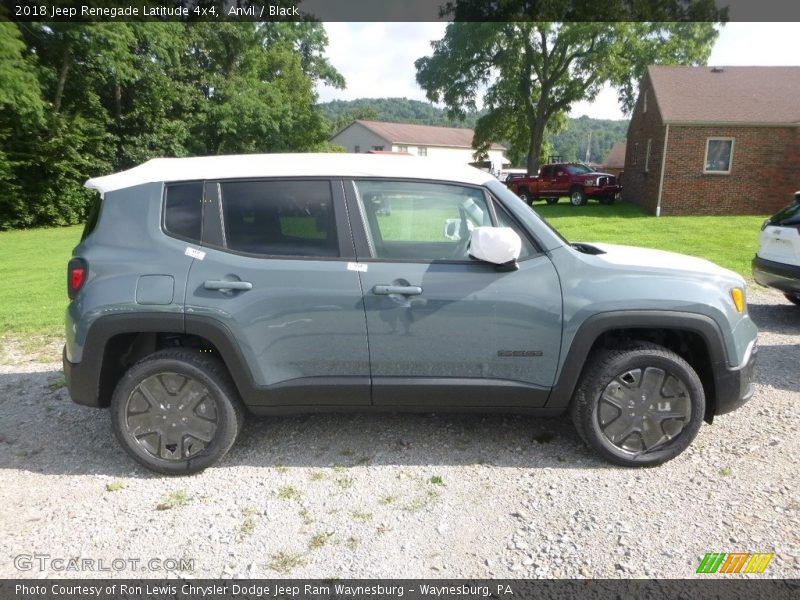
[{"x": 663, "y": 165}]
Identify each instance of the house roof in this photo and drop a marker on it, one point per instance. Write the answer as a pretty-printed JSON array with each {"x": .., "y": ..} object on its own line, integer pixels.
[
  {"x": 289, "y": 165},
  {"x": 615, "y": 156},
  {"x": 736, "y": 95},
  {"x": 423, "y": 135}
]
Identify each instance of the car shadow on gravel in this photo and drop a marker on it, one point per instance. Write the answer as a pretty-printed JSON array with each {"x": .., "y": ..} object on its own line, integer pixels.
[
  {"x": 43, "y": 431},
  {"x": 776, "y": 318}
]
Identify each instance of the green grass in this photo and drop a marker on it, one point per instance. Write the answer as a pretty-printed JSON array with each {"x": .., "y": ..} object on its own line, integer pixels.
[
  {"x": 33, "y": 269},
  {"x": 729, "y": 241}
]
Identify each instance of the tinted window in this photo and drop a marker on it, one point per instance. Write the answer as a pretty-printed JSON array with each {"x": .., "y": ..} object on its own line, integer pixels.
[
  {"x": 183, "y": 212},
  {"x": 93, "y": 214},
  {"x": 279, "y": 218},
  {"x": 578, "y": 169},
  {"x": 421, "y": 221}
]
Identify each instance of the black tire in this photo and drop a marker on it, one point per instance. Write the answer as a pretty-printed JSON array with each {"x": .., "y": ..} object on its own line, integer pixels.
[
  {"x": 608, "y": 389},
  {"x": 793, "y": 298},
  {"x": 552, "y": 200},
  {"x": 182, "y": 374},
  {"x": 577, "y": 197},
  {"x": 523, "y": 195}
]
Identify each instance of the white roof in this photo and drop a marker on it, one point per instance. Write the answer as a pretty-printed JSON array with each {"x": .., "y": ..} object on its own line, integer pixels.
[{"x": 289, "y": 165}]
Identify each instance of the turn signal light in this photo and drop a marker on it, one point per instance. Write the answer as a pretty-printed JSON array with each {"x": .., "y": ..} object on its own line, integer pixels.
[{"x": 737, "y": 295}]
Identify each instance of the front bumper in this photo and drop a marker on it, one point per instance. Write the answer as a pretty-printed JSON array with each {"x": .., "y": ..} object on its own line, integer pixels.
[
  {"x": 735, "y": 386},
  {"x": 607, "y": 191},
  {"x": 780, "y": 276}
]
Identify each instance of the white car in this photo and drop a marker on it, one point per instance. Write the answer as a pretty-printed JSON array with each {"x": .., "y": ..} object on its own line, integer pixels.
[{"x": 777, "y": 262}]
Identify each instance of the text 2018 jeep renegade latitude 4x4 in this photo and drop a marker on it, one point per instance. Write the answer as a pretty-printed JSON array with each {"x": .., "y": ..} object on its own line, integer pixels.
[{"x": 205, "y": 288}]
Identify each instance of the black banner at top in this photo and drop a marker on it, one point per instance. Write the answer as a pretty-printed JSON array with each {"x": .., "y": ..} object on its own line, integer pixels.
[{"x": 400, "y": 10}]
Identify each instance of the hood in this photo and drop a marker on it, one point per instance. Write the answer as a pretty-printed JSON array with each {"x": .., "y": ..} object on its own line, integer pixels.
[{"x": 648, "y": 259}]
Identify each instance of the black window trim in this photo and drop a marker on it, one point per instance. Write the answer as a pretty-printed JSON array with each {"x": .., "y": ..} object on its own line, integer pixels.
[
  {"x": 165, "y": 186},
  {"x": 364, "y": 251},
  {"x": 344, "y": 236}
]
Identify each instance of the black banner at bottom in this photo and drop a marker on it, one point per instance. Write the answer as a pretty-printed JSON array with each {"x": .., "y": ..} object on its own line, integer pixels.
[{"x": 389, "y": 589}]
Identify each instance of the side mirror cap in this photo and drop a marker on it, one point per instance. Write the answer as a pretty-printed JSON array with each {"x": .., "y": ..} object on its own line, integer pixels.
[{"x": 497, "y": 245}]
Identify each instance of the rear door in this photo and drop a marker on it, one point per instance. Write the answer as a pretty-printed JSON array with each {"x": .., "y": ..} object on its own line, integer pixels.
[
  {"x": 274, "y": 271},
  {"x": 445, "y": 329}
]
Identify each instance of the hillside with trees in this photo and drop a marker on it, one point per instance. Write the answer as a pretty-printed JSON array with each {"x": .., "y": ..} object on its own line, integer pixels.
[{"x": 570, "y": 142}]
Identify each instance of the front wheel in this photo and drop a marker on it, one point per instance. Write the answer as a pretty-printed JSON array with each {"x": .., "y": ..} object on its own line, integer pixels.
[
  {"x": 577, "y": 197},
  {"x": 176, "y": 412},
  {"x": 640, "y": 405},
  {"x": 793, "y": 298},
  {"x": 525, "y": 197}
]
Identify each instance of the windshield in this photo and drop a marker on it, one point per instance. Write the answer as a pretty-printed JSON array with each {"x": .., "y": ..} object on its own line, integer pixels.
[
  {"x": 788, "y": 216},
  {"x": 578, "y": 169}
]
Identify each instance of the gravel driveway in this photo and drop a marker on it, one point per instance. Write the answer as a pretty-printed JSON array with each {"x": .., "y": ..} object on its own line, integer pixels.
[{"x": 404, "y": 495}]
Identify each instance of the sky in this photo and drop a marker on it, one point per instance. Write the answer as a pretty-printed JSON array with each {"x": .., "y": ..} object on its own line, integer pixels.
[{"x": 377, "y": 59}]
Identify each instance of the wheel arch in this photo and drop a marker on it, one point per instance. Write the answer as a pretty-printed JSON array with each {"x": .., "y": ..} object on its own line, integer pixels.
[{"x": 696, "y": 338}]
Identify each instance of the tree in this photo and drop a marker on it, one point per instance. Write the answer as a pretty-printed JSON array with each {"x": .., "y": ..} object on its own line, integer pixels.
[{"x": 533, "y": 72}]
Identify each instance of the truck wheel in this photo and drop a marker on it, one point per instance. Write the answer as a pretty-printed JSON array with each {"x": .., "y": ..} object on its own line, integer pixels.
[
  {"x": 552, "y": 200},
  {"x": 793, "y": 298},
  {"x": 639, "y": 405},
  {"x": 577, "y": 197},
  {"x": 523, "y": 195},
  {"x": 176, "y": 411}
]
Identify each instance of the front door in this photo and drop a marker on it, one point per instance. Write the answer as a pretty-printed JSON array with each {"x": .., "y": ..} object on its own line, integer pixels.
[
  {"x": 274, "y": 270},
  {"x": 445, "y": 329}
]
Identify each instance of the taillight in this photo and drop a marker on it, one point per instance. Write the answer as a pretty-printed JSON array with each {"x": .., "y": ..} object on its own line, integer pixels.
[{"x": 76, "y": 276}]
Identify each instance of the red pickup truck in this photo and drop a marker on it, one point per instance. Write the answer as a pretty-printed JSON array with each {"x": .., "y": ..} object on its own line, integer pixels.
[{"x": 576, "y": 181}]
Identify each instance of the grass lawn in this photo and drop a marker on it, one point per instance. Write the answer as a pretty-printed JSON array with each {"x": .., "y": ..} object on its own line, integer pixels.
[
  {"x": 33, "y": 269},
  {"x": 33, "y": 262},
  {"x": 729, "y": 241}
]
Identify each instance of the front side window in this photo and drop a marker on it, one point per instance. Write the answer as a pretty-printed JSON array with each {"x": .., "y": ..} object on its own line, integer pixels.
[
  {"x": 578, "y": 169},
  {"x": 183, "y": 210},
  {"x": 279, "y": 218},
  {"x": 420, "y": 221},
  {"x": 719, "y": 155}
]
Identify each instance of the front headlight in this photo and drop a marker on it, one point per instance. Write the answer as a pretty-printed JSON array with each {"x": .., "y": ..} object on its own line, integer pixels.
[
  {"x": 590, "y": 182},
  {"x": 738, "y": 298}
]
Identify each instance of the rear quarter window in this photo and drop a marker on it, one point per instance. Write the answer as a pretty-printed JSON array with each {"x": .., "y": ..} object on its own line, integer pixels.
[{"x": 183, "y": 210}]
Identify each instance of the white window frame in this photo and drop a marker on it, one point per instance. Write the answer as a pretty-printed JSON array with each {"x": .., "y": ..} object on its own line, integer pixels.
[
  {"x": 730, "y": 160},
  {"x": 402, "y": 148},
  {"x": 635, "y": 155},
  {"x": 422, "y": 151},
  {"x": 647, "y": 155}
]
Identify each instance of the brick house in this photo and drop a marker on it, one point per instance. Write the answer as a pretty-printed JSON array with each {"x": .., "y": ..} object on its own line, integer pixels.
[{"x": 732, "y": 139}]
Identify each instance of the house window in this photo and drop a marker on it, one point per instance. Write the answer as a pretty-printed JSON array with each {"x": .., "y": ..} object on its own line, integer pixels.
[
  {"x": 402, "y": 148},
  {"x": 357, "y": 149},
  {"x": 422, "y": 151},
  {"x": 647, "y": 156},
  {"x": 719, "y": 155},
  {"x": 635, "y": 154},
  {"x": 378, "y": 148},
  {"x": 644, "y": 102}
]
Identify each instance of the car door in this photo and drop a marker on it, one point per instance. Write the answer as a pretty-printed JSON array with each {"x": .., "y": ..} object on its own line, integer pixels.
[
  {"x": 561, "y": 181},
  {"x": 273, "y": 270},
  {"x": 445, "y": 329}
]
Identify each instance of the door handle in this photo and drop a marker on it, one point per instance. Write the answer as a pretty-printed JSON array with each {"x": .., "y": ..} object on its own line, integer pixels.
[
  {"x": 405, "y": 290},
  {"x": 213, "y": 284}
]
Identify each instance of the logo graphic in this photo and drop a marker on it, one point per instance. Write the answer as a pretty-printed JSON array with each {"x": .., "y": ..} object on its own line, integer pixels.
[{"x": 734, "y": 562}]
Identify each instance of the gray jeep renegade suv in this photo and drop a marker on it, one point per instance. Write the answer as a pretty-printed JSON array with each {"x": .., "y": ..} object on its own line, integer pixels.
[{"x": 205, "y": 288}]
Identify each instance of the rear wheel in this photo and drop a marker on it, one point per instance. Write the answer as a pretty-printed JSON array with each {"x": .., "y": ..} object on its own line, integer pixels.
[
  {"x": 176, "y": 412},
  {"x": 793, "y": 298},
  {"x": 640, "y": 405},
  {"x": 577, "y": 197}
]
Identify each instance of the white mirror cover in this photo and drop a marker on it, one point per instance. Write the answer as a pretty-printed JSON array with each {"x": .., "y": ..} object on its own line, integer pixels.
[{"x": 497, "y": 245}]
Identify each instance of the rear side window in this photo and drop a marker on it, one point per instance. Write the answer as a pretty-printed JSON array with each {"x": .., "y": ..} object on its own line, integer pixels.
[
  {"x": 279, "y": 218},
  {"x": 92, "y": 215},
  {"x": 183, "y": 210}
]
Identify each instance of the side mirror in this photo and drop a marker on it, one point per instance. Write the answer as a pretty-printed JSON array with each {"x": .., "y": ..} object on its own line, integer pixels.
[{"x": 497, "y": 245}]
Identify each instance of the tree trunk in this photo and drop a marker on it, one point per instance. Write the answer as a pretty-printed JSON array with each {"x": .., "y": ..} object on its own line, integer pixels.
[{"x": 62, "y": 77}]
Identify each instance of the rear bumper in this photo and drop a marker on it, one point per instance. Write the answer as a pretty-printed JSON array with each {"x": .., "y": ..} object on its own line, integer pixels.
[
  {"x": 81, "y": 382},
  {"x": 776, "y": 275},
  {"x": 735, "y": 386}
]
